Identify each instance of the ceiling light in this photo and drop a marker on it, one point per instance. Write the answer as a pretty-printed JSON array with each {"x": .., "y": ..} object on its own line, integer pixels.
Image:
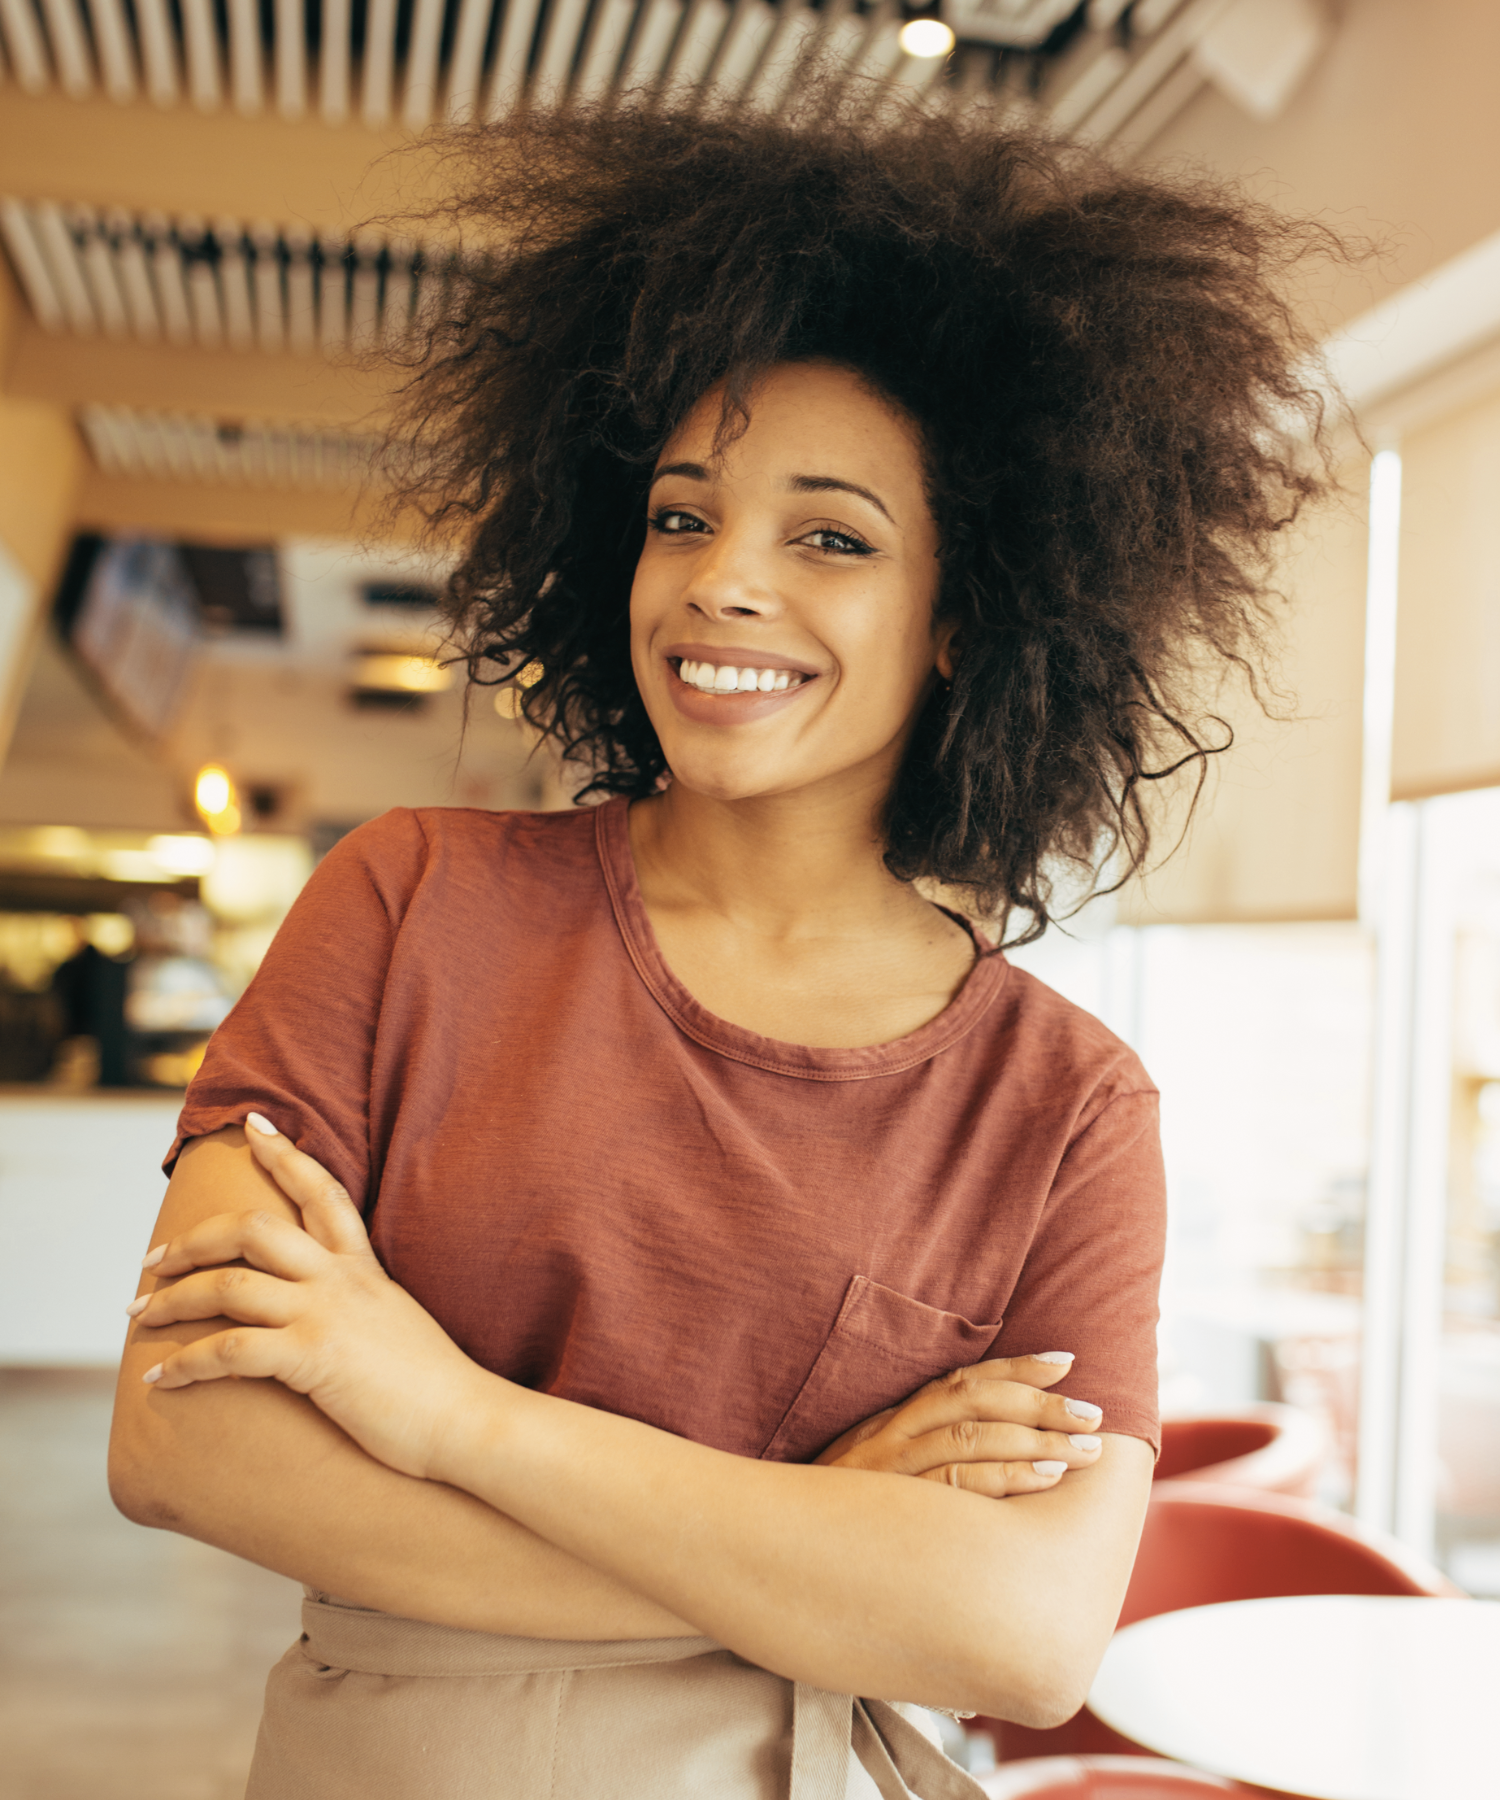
[
  {"x": 186, "y": 853},
  {"x": 387, "y": 672},
  {"x": 926, "y": 38},
  {"x": 216, "y": 800}
]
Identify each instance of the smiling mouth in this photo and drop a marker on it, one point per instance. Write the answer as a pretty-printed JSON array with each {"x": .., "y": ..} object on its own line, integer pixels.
[{"x": 725, "y": 678}]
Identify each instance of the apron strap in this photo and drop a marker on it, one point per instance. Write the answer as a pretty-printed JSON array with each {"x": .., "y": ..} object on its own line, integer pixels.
[
  {"x": 902, "y": 1761},
  {"x": 821, "y": 1724}
]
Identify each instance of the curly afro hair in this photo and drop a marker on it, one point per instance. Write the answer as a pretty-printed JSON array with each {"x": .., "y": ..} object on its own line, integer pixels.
[{"x": 1114, "y": 393}]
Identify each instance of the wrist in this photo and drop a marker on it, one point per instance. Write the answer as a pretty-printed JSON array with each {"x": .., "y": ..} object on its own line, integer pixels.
[{"x": 476, "y": 1419}]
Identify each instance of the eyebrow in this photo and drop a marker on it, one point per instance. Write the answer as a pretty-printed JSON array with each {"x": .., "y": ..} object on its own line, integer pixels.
[{"x": 799, "y": 484}]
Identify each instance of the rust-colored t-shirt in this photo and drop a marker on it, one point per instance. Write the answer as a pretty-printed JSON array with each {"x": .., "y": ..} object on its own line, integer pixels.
[{"x": 606, "y": 1192}]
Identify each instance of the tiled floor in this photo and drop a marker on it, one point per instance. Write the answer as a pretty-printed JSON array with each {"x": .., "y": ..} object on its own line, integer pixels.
[{"x": 131, "y": 1661}]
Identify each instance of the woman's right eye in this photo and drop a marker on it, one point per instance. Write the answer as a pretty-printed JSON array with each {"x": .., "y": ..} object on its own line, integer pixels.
[{"x": 672, "y": 522}]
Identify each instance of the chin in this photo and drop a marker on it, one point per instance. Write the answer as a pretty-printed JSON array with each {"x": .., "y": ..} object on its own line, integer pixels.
[{"x": 726, "y": 779}]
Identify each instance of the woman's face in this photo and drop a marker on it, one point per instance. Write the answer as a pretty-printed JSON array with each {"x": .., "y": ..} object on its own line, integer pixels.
[{"x": 781, "y": 620}]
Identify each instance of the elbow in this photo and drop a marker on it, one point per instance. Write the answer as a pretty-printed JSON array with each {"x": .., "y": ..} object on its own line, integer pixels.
[
  {"x": 1045, "y": 1690},
  {"x": 1044, "y": 1709},
  {"x": 135, "y": 1485}
]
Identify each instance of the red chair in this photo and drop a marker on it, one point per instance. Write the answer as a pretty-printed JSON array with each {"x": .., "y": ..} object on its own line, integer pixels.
[
  {"x": 1205, "y": 1542},
  {"x": 1276, "y": 1449},
  {"x": 1103, "y": 1778}
]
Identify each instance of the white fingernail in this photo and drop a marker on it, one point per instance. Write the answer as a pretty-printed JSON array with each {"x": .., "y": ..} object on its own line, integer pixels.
[
  {"x": 262, "y": 1124},
  {"x": 137, "y": 1306},
  {"x": 153, "y": 1374},
  {"x": 1050, "y": 1468},
  {"x": 1084, "y": 1443},
  {"x": 1053, "y": 1356},
  {"x": 1085, "y": 1410},
  {"x": 153, "y": 1257}
]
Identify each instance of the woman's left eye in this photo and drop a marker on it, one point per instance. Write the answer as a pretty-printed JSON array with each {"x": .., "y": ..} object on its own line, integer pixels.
[
  {"x": 672, "y": 523},
  {"x": 841, "y": 543}
]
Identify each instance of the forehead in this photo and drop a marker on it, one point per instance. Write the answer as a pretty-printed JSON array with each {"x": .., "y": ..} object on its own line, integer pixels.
[{"x": 799, "y": 411}]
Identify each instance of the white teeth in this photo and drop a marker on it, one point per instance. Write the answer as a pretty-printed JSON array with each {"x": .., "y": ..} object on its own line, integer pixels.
[{"x": 710, "y": 678}]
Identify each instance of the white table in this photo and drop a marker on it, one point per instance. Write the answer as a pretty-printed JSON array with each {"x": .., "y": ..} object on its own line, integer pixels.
[{"x": 1335, "y": 1696}]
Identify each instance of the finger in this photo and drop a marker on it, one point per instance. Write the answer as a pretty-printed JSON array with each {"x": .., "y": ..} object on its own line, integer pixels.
[
  {"x": 968, "y": 1394},
  {"x": 1038, "y": 1371},
  {"x": 233, "y": 1293},
  {"x": 997, "y": 1481},
  {"x": 968, "y": 1441},
  {"x": 327, "y": 1211},
  {"x": 245, "y": 1351},
  {"x": 259, "y": 1238}
]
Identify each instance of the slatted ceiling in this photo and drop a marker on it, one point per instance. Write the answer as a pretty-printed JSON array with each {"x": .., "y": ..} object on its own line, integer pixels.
[
  {"x": 512, "y": 54},
  {"x": 114, "y": 48},
  {"x": 135, "y": 281},
  {"x": 779, "y": 67},
  {"x": 101, "y": 270},
  {"x": 364, "y": 297},
  {"x": 378, "y": 86},
  {"x": 215, "y": 284},
  {"x": 158, "y": 44},
  {"x": 24, "y": 42},
  {"x": 246, "y": 58},
  {"x": 70, "y": 47},
  {"x": 466, "y": 60},
  {"x": 1152, "y": 66},
  {"x": 301, "y": 299},
  {"x": 845, "y": 38},
  {"x": 565, "y": 20},
  {"x": 125, "y": 442},
  {"x": 422, "y": 63},
  {"x": 291, "y": 59},
  {"x": 1151, "y": 15},
  {"x": 333, "y": 295},
  {"x": 881, "y": 55},
  {"x": 234, "y": 285},
  {"x": 1088, "y": 86},
  {"x": 700, "y": 38},
  {"x": 205, "y": 82},
  {"x": 333, "y": 62},
  {"x": 654, "y": 37},
  {"x": 56, "y": 244},
  {"x": 606, "y": 43},
  {"x": 31, "y": 266},
  {"x": 744, "y": 44},
  {"x": 170, "y": 281}
]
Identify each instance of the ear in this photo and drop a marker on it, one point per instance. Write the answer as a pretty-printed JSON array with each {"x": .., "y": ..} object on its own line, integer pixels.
[{"x": 945, "y": 645}]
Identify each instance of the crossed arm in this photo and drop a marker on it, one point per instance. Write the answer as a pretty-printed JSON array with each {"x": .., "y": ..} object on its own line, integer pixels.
[{"x": 383, "y": 1466}]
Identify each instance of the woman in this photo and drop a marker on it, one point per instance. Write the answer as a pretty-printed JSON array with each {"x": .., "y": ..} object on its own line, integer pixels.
[{"x": 853, "y": 498}]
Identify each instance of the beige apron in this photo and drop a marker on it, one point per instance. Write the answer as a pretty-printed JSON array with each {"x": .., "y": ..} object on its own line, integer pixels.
[{"x": 366, "y": 1706}]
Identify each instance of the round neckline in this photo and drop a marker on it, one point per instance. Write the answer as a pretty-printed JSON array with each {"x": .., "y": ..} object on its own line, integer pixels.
[{"x": 807, "y": 1061}]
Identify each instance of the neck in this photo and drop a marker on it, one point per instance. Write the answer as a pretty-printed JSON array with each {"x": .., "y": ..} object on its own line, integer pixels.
[{"x": 782, "y": 865}]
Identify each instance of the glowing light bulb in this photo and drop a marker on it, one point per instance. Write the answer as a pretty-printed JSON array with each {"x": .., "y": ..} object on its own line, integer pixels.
[
  {"x": 926, "y": 38},
  {"x": 215, "y": 798}
]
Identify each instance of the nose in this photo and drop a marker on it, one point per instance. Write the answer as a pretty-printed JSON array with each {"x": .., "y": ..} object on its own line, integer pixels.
[{"x": 731, "y": 581}]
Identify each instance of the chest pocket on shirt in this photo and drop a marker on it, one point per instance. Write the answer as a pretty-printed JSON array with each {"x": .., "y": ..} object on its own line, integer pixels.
[{"x": 882, "y": 1347}]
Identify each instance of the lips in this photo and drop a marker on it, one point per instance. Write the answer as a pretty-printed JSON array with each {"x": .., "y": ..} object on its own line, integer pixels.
[
  {"x": 701, "y": 690},
  {"x": 739, "y": 656}
]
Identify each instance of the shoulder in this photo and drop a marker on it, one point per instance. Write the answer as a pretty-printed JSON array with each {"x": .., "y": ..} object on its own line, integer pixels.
[
  {"x": 409, "y": 845},
  {"x": 1050, "y": 1043}
]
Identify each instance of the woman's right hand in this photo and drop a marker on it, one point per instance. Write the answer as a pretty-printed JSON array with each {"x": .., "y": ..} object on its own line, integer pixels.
[{"x": 991, "y": 1428}]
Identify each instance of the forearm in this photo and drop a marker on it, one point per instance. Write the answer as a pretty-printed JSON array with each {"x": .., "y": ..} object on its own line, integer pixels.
[
  {"x": 257, "y": 1470},
  {"x": 860, "y": 1582}
]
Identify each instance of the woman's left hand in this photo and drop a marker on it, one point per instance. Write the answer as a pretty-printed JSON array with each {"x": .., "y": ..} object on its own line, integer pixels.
[{"x": 314, "y": 1310}]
